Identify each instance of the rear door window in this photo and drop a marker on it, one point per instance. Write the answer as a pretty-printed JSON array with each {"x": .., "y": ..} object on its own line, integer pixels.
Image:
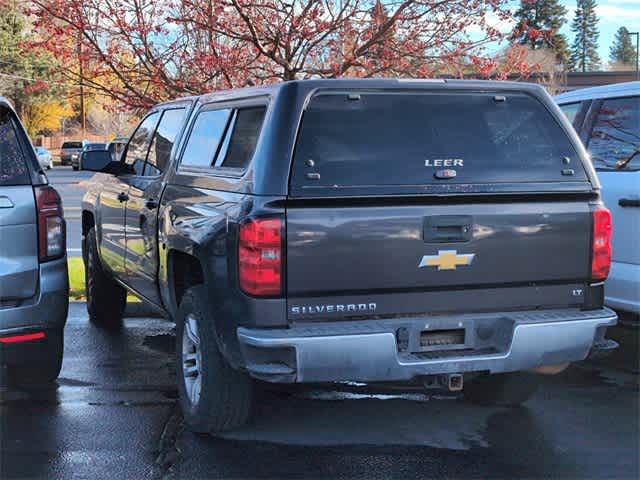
[
  {"x": 13, "y": 164},
  {"x": 405, "y": 141},
  {"x": 205, "y": 137},
  {"x": 241, "y": 143},
  {"x": 614, "y": 143}
]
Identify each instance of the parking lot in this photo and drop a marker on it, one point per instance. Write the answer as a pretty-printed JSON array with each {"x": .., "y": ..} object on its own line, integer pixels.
[{"x": 113, "y": 414}]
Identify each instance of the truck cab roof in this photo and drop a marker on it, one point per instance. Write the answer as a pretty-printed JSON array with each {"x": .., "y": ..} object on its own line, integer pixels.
[{"x": 306, "y": 86}]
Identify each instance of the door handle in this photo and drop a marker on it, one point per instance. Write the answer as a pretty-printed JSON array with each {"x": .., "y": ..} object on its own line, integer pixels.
[
  {"x": 123, "y": 197},
  {"x": 5, "y": 202},
  {"x": 629, "y": 202},
  {"x": 151, "y": 204}
]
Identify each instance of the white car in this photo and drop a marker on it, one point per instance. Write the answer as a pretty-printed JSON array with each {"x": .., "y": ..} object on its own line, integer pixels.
[
  {"x": 45, "y": 159},
  {"x": 607, "y": 119}
]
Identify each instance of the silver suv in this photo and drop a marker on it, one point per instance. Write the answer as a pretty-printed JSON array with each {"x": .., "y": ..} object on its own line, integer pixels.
[{"x": 34, "y": 285}]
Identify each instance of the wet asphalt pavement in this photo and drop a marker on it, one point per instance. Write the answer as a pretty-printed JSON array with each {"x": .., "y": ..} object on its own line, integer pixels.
[
  {"x": 107, "y": 413},
  {"x": 113, "y": 415}
]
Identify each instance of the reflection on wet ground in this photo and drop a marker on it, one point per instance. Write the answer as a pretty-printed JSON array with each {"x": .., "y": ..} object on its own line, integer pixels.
[{"x": 579, "y": 425}]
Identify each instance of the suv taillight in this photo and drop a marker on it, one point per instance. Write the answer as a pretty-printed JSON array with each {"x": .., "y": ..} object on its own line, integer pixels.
[
  {"x": 51, "y": 227},
  {"x": 260, "y": 257},
  {"x": 601, "y": 247}
]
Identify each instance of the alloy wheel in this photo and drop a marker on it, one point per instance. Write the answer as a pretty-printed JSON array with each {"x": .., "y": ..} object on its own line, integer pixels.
[{"x": 191, "y": 359}]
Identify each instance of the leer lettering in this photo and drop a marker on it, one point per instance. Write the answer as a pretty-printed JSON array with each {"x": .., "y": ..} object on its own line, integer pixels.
[{"x": 444, "y": 162}]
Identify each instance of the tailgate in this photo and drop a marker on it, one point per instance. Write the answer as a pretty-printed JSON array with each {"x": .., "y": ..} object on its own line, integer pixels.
[
  {"x": 18, "y": 243},
  {"x": 418, "y": 202},
  {"x": 469, "y": 257}
]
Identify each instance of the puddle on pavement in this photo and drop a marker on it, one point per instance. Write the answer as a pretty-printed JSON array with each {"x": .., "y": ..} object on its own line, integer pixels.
[
  {"x": 171, "y": 394},
  {"x": 331, "y": 417},
  {"x": 164, "y": 342}
]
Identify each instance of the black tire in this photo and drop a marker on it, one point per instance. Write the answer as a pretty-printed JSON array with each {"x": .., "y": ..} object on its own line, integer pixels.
[
  {"x": 504, "y": 389},
  {"x": 225, "y": 395},
  {"x": 106, "y": 299},
  {"x": 45, "y": 369},
  {"x": 75, "y": 168}
]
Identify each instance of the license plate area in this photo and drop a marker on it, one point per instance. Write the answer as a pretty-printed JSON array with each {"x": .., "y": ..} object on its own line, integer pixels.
[
  {"x": 442, "y": 339},
  {"x": 437, "y": 336}
]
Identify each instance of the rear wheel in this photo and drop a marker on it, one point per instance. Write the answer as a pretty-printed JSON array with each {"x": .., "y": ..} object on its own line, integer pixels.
[
  {"x": 504, "y": 389},
  {"x": 45, "y": 369},
  {"x": 213, "y": 396},
  {"x": 106, "y": 299}
]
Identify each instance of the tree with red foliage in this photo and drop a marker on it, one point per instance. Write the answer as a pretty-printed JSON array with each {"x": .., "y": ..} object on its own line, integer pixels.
[
  {"x": 539, "y": 24},
  {"x": 140, "y": 52}
]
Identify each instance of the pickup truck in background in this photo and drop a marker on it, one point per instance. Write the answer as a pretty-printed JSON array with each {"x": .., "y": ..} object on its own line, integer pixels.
[
  {"x": 70, "y": 151},
  {"x": 446, "y": 233}
]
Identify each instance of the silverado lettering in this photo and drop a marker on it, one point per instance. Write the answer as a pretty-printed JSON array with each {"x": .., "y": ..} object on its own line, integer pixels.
[{"x": 349, "y": 307}]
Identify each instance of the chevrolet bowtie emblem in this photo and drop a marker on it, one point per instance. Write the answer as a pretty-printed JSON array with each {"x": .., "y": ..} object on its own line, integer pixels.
[{"x": 447, "y": 260}]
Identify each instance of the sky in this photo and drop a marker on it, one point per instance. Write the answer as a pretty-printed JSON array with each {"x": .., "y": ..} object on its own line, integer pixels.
[{"x": 613, "y": 14}]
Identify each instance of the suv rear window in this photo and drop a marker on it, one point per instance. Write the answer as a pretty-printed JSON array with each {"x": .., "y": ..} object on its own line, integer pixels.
[
  {"x": 405, "y": 140},
  {"x": 13, "y": 165},
  {"x": 72, "y": 145},
  {"x": 615, "y": 139}
]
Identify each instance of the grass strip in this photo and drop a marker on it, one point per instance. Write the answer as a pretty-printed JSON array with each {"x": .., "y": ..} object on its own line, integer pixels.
[{"x": 77, "y": 290}]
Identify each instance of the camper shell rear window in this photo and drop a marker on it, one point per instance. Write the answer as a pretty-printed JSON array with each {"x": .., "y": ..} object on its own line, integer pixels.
[{"x": 417, "y": 142}]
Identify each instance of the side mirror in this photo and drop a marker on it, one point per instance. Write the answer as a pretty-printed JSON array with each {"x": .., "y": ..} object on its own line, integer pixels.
[{"x": 99, "y": 161}]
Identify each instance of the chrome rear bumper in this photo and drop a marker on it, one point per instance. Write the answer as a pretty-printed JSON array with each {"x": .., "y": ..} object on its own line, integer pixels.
[{"x": 368, "y": 351}]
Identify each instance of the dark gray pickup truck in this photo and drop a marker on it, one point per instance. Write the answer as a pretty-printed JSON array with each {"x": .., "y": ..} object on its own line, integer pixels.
[{"x": 445, "y": 233}]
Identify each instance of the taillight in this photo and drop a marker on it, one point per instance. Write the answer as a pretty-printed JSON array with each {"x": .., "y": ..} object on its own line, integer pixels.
[
  {"x": 260, "y": 257},
  {"x": 601, "y": 247},
  {"x": 51, "y": 228}
]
